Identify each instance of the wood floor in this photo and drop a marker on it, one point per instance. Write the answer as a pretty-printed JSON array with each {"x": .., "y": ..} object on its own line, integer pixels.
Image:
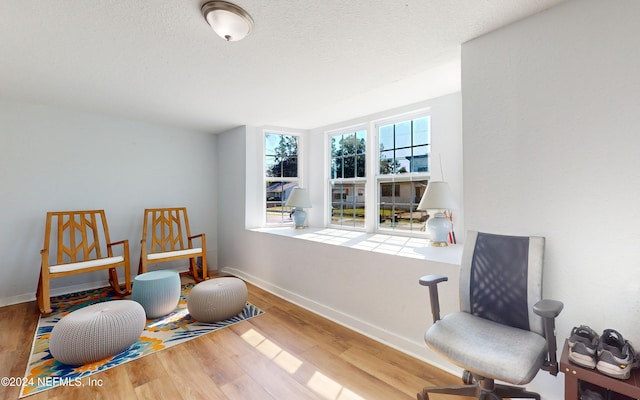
[{"x": 288, "y": 353}]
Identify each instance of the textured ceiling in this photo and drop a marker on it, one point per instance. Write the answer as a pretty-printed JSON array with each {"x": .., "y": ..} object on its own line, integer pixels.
[{"x": 307, "y": 63}]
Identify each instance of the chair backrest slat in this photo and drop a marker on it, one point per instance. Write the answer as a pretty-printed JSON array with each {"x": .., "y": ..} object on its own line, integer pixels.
[
  {"x": 168, "y": 229},
  {"x": 80, "y": 235}
]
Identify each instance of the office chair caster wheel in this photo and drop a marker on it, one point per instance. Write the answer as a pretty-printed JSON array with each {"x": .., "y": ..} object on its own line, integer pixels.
[
  {"x": 467, "y": 377},
  {"x": 423, "y": 395}
]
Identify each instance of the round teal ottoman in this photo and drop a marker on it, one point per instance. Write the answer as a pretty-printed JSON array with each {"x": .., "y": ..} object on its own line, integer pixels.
[
  {"x": 217, "y": 299},
  {"x": 157, "y": 291},
  {"x": 96, "y": 332}
]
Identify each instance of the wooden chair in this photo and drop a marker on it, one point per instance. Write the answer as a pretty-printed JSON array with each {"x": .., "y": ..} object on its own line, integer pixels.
[
  {"x": 79, "y": 242},
  {"x": 166, "y": 237}
]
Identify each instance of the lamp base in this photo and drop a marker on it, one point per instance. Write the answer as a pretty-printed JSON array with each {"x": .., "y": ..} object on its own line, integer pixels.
[
  {"x": 439, "y": 226},
  {"x": 299, "y": 217}
]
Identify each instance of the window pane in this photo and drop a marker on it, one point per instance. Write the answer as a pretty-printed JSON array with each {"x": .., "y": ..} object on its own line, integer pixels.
[
  {"x": 349, "y": 167},
  {"x": 349, "y": 144},
  {"x": 420, "y": 159},
  {"x": 290, "y": 167},
  {"x": 336, "y": 146},
  {"x": 387, "y": 164},
  {"x": 339, "y": 162},
  {"x": 421, "y": 131},
  {"x": 277, "y": 193},
  {"x": 404, "y": 147},
  {"x": 398, "y": 212},
  {"x": 347, "y": 204},
  {"x": 402, "y": 160},
  {"x": 361, "y": 137},
  {"x": 361, "y": 165},
  {"x": 271, "y": 142},
  {"x": 281, "y": 155},
  {"x": 271, "y": 167},
  {"x": 403, "y": 134},
  {"x": 386, "y": 137}
]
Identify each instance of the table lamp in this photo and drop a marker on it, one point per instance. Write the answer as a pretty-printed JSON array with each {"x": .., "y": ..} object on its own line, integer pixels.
[
  {"x": 299, "y": 198},
  {"x": 438, "y": 198}
]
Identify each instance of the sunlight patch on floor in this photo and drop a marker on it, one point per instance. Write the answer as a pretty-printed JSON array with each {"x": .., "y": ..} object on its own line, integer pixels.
[
  {"x": 321, "y": 384},
  {"x": 283, "y": 359}
]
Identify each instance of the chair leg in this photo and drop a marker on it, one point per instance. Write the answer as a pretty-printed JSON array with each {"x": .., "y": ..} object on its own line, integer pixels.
[
  {"x": 204, "y": 266},
  {"x": 142, "y": 267},
  {"x": 514, "y": 392},
  {"x": 43, "y": 296},
  {"x": 465, "y": 390},
  {"x": 113, "y": 281},
  {"x": 481, "y": 389}
]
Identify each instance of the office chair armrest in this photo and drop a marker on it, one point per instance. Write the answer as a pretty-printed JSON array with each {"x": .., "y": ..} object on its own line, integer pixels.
[
  {"x": 549, "y": 310},
  {"x": 432, "y": 281}
]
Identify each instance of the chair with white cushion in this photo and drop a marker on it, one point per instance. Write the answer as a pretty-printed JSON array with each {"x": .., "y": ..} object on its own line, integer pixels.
[
  {"x": 505, "y": 330},
  {"x": 166, "y": 237},
  {"x": 78, "y": 242}
]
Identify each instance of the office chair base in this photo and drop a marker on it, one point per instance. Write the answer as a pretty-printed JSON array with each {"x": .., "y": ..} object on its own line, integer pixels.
[{"x": 480, "y": 388}]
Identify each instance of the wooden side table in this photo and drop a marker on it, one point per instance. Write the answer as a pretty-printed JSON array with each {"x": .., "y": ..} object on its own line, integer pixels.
[{"x": 574, "y": 373}]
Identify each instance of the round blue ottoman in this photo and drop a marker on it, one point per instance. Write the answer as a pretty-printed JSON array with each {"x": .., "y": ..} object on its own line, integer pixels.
[
  {"x": 217, "y": 299},
  {"x": 96, "y": 332},
  {"x": 157, "y": 291}
]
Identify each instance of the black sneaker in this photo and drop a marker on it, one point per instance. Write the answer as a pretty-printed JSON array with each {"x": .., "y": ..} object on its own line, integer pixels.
[
  {"x": 616, "y": 356},
  {"x": 583, "y": 344}
]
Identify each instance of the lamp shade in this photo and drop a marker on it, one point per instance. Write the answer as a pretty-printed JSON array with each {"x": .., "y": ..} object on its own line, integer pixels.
[
  {"x": 229, "y": 21},
  {"x": 299, "y": 197},
  {"x": 438, "y": 196}
]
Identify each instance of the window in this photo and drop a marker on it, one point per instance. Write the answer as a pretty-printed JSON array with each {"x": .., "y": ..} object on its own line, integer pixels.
[
  {"x": 281, "y": 167},
  {"x": 403, "y": 173},
  {"x": 391, "y": 161},
  {"x": 348, "y": 178}
]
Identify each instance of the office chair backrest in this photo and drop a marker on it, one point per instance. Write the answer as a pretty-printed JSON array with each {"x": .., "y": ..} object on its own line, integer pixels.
[{"x": 501, "y": 278}]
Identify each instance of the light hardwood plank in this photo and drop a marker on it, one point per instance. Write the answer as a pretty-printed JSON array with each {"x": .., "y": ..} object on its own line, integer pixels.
[{"x": 287, "y": 353}]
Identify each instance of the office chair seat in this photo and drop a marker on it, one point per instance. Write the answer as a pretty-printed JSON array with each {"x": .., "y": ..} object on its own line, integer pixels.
[{"x": 486, "y": 348}]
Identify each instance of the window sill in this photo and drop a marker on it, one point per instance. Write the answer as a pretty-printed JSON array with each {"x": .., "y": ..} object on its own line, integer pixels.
[{"x": 380, "y": 243}]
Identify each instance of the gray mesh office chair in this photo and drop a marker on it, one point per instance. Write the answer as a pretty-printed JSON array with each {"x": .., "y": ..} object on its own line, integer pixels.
[{"x": 504, "y": 330}]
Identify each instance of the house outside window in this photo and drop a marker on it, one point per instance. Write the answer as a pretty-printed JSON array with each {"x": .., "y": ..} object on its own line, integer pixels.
[{"x": 281, "y": 175}]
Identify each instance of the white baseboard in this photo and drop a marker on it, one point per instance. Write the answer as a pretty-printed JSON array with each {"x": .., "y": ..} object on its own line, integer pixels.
[
  {"x": 26, "y": 297},
  {"x": 376, "y": 333}
]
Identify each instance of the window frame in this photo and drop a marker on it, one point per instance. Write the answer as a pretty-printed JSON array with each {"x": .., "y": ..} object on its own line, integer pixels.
[
  {"x": 373, "y": 178},
  {"x": 400, "y": 177},
  {"x": 265, "y": 179},
  {"x": 331, "y": 181}
]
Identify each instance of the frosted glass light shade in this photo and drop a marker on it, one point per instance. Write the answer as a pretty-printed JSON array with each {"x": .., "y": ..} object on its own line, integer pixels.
[{"x": 229, "y": 21}]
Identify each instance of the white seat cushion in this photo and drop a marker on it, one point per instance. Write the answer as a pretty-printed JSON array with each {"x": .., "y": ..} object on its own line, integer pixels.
[
  {"x": 509, "y": 354},
  {"x": 176, "y": 253},
  {"x": 85, "y": 264}
]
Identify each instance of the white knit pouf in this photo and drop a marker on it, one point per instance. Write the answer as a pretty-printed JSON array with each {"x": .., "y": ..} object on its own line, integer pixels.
[
  {"x": 217, "y": 299},
  {"x": 96, "y": 332},
  {"x": 157, "y": 291}
]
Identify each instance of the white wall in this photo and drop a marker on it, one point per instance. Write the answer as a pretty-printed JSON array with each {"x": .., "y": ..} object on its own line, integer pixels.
[
  {"x": 53, "y": 159},
  {"x": 551, "y": 115},
  {"x": 375, "y": 293}
]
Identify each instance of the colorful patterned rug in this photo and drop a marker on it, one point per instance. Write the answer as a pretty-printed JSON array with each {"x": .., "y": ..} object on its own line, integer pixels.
[{"x": 44, "y": 372}]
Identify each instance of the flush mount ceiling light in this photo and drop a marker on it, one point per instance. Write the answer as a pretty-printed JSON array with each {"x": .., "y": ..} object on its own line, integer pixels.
[{"x": 229, "y": 21}]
